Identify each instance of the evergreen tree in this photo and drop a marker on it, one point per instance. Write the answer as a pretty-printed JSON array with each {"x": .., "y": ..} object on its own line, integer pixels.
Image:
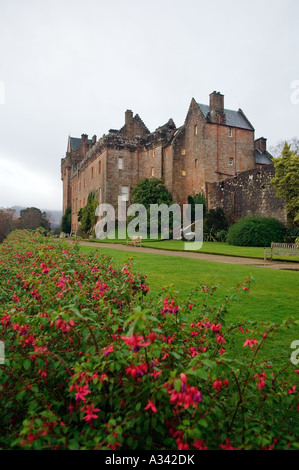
[{"x": 286, "y": 181}]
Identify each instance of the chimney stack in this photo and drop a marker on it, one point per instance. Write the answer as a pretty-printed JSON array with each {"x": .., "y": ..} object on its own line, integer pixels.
[
  {"x": 217, "y": 113},
  {"x": 261, "y": 144},
  {"x": 129, "y": 122}
]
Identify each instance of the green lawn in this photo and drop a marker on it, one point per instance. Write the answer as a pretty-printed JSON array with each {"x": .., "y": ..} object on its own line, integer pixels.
[
  {"x": 215, "y": 248},
  {"x": 273, "y": 296}
]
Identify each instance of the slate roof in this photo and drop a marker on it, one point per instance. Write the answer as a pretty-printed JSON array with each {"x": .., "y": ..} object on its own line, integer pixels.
[
  {"x": 262, "y": 158},
  {"x": 76, "y": 142},
  {"x": 233, "y": 118}
]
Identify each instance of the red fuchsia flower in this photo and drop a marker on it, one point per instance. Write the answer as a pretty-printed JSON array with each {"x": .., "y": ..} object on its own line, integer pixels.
[
  {"x": 220, "y": 339},
  {"x": 217, "y": 385},
  {"x": 135, "y": 341},
  {"x": 200, "y": 445},
  {"x": 228, "y": 445},
  {"x": 90, "y": 412},
  {"x": 137, "y": 371},
  {"x": 42, "y": 373},
  {"x": 222, "y": 351},
  {"x": 250, "y": 342},
  {"x": 103, "y": 377},
  {"x": 108, "y": 350},
  {"x": 15, "y": 298},
  {"x": 262, "y": 380},
  {"x": 216, "y": 327},
  {"x": 292, "y": 390},
  {"x": 297, "y": 371},
  {"x": 169, "y": 307},
  {"x": 226, "y": 383},
  {"x": 144, "y": 288},
  {"x": 186, "y": 397},
  {"x": 150, "y": 406},
  {"x": 5, "y": 320},
  {"x": 181, "y": 445},
  {"x": 82, "y": 391},
  {"x": 100, "y": 290}
]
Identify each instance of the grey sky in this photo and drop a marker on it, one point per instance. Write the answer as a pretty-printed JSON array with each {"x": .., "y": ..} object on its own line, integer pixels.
[{"x": 73, "y": 67}]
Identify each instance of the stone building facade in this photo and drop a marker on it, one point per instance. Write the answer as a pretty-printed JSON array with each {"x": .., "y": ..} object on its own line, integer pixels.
[
  {"x": 248, "y": 193},
  {"x": 213, "y": 144}
]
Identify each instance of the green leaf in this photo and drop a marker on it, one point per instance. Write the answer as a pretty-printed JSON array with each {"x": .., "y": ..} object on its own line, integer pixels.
[{"x": 27, "y": 364}]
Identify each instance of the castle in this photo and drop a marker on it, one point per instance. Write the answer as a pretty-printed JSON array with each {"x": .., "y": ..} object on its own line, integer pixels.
[{"x": 213, "y": 146}]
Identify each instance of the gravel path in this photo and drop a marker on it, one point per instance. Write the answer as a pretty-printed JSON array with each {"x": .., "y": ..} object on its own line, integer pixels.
[{"x": 201, "y": 256}]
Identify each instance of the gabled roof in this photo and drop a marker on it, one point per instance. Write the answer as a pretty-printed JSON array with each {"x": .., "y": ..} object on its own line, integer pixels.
[
  {"x": 233, "y": 118},
  {"x": 262, "y": 158}
]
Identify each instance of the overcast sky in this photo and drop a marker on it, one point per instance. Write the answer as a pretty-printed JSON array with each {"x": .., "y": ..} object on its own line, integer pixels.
[{"x": 74, "y": 67}]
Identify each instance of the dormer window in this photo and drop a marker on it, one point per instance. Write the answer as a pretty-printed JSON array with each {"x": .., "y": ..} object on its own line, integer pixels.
[
  {"x": 120, "y": 163},
  {"x": 195, "y": 129}
]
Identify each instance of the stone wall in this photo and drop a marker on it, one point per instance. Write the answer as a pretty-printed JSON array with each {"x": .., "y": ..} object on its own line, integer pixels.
[{"x": 248, "y": 193}]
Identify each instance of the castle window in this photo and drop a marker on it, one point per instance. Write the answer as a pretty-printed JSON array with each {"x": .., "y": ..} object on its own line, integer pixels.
[
  {"x": 153, "y": 171},
  {"x": 195, "y": 129},
  {"x": 124, "y": 193},
  {"x": 154, "y": 154},
  {"x": 231, "y": 161},
  {"x": 84, "y": 183},
  {"x": 92, "y": 171},
  {"x": 183, "y": 152},
  {"x": 100, "y": 167},
  {"x": 230, "y": 132},
  {"x": 100, "y": 195},
  {"x": 80, "y": 186},
  {"x": 196, "y": 163},
  {"x": 120, "y": 163},
  {"x": 183, "y": 173}
]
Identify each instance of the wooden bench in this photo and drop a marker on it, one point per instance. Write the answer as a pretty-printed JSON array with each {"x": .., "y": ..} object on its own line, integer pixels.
[
  {"x": 282, "y": 249},
  {"x": 135, "y": 241}
]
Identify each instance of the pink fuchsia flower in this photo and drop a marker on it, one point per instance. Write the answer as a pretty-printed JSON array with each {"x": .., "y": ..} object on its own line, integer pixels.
[
  {"x": 135, "y": 341},
  {"x": 200, "y": 445},
  {"x": 220, "y": 339},
  {"x": 250, "y": 342},
  {"x": 108, "y": 350},
  {"x": 150, "y": 406},
  {"x": 228, "y": 445},
  {"x": 292, "y": 390},
  {"x": 90, "y": 412},
  {"x": 82, "y": 391},
  {"x": 262, "y": 380}
]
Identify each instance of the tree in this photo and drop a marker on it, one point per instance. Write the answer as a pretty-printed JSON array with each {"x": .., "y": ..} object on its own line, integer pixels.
[
  {"x": 32, "y": 218},
  {"x": 197, "y": 199},
  {"x": 152, "y": 191},
  {"x": 286, "y": 181},
  {"x": 277, "y": 149},
  {"x": 87, "y": 215},
  {"x": 7, "y": 222},
  {"x": 66, "y": 221}
]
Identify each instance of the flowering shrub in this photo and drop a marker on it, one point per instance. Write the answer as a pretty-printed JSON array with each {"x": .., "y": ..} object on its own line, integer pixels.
[{"x": 94, "y": 362}]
